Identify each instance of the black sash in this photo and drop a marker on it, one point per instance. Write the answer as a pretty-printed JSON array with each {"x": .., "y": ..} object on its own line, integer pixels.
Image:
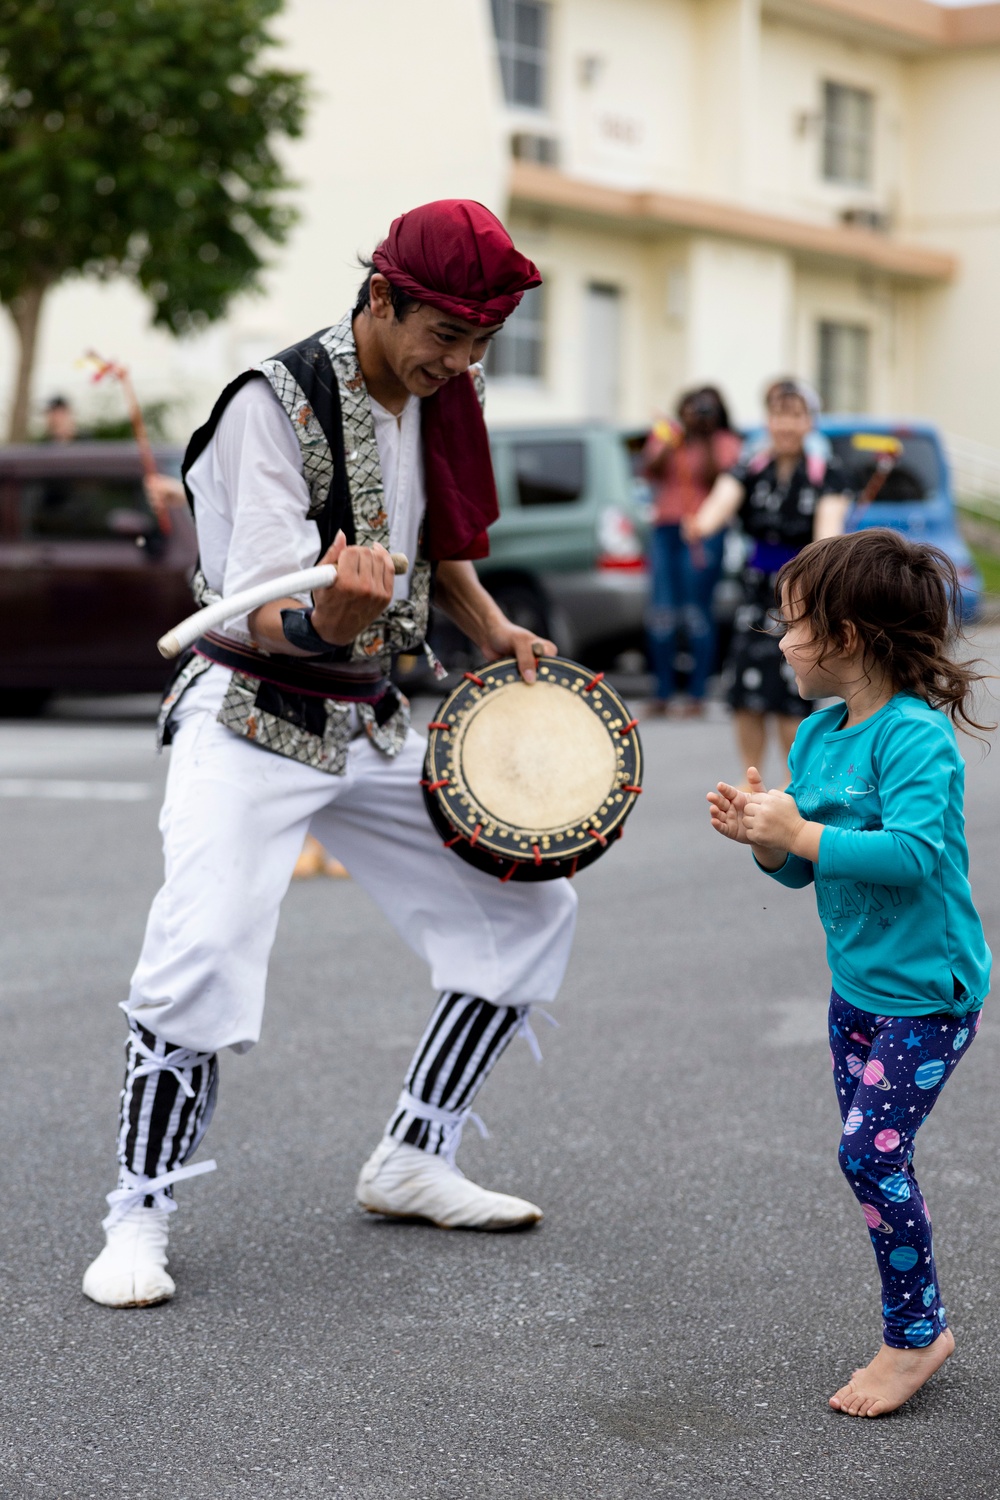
[{"x": 347, "y": 682}]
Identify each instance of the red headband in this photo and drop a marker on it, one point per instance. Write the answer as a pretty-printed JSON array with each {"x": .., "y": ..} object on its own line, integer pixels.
[{"x": 455, "y": 255}]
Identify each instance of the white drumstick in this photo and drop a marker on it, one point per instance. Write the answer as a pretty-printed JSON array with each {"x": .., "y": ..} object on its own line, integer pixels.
[{"x": 177, "y": 640}]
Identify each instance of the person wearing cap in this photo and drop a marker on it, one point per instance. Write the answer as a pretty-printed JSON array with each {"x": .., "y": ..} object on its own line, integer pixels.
[
  {"x": 363, "y": 439},
  {"x": 783, "y": 496}
]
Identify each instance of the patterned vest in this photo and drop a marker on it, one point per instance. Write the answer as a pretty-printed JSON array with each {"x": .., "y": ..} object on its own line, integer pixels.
[{"x": 321, "y": 388}]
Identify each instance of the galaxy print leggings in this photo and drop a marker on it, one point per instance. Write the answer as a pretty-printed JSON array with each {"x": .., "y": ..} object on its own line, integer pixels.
[{"x": 888, "y": 1072}]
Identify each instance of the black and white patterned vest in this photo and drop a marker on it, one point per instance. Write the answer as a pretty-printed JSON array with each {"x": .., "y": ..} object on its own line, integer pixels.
[{"x": 321, "y": 388}]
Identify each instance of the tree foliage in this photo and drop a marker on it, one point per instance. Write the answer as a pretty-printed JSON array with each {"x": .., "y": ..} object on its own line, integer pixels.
[{"x": 137, "y": 138}]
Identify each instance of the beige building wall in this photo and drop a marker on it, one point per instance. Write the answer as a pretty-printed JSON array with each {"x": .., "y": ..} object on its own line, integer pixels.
[
  {"x": 721, "y": 101},
  {"x": 953, "y": 196},
  {"x": 624, "y": 93},
  {"x": 570, "y": 261},
  {"x": 794, "y": 66},
  {"x": 740, "y": 320}
]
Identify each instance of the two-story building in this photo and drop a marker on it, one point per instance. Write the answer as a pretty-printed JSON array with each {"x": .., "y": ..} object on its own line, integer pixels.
[
  {"x": 715, "y": 190},
  {"x": 721, "y": 190}
]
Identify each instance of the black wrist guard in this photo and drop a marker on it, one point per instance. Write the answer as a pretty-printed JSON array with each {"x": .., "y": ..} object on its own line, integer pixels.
[{"x": 298, "y": 630}]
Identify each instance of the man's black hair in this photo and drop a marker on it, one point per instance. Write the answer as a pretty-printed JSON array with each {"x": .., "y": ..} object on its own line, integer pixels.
[{"x": 401, "y": 303}]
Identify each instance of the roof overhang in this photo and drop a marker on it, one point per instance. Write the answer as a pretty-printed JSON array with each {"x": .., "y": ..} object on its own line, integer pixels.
[
  {"x": 543, "y": 189},
  {"x": 899, "y": 25}
]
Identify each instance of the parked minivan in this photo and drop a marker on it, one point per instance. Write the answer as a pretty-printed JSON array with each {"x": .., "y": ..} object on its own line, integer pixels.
[{"x": 567, "y": 553}]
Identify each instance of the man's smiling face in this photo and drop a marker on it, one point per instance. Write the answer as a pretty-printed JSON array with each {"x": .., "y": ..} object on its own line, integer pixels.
[{"x": 426, "y": 348}]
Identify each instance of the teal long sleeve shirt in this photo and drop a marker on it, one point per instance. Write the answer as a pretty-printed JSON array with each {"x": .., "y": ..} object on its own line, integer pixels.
[{"x": 892, "y": 881}]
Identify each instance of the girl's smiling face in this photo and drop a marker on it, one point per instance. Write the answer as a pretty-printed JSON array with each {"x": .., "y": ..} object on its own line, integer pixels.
[{"x": 819, "y": 666}]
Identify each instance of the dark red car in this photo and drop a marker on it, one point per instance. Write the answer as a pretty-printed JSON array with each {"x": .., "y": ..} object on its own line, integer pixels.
[{"x": 88, "y": 581}]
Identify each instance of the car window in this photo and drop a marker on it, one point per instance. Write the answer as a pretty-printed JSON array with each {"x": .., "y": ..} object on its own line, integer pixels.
[
  {"x": 549, "y": 472},
  {"x": 911, "y": 463},
  {"x": 75, "y": 509}
]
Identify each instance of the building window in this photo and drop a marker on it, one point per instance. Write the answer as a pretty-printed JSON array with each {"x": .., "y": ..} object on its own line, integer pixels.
[
  {"x": 843, "y": 366},
  {"x": 522, "y": 31},
  {"x": 517, "y": 351},
  {"x": 848, "y": 134}
]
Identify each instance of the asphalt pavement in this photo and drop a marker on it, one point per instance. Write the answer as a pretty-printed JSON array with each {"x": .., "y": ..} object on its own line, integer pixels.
[{"x": 701, "y": 1282}]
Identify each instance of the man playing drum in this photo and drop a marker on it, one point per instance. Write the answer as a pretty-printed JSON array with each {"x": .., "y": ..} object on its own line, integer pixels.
[{"x": 365, "y": 436}]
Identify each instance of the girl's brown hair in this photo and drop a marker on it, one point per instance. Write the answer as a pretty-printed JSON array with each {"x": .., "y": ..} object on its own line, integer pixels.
[{"x": 900, "y": 596}]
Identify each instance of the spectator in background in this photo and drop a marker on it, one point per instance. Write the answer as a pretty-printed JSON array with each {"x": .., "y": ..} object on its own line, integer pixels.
[
  {"x": 60, "y": 421},
  {"x": 783, "y": 497},
  {"x": 682, "y": 460}
]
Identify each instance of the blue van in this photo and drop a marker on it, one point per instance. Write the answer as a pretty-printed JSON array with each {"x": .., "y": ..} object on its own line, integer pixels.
[{"x": 915, "y": 494}]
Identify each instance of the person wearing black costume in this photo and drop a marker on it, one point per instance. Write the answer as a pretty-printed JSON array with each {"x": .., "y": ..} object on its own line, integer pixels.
[{"x": 783, "y": 497}]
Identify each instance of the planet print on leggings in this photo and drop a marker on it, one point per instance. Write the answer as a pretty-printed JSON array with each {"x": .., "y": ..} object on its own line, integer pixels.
[
  {"x": 855, "y": 1120},
  {"x": 930, "y": 1292},
  {"x": 929, "y": 1074},
  {"x": 896, "y": 1187},
  {"x": 961, "y": 1037},
  {"x": 904, "y": 1258},
  {"x": 921, "y": 1332},
  {"x": 887, "y": 1140},
  {"x": 854, "y": 1065},
  {"x": 874, "y": 1075},
  {"x": 874, "y": 1219}
]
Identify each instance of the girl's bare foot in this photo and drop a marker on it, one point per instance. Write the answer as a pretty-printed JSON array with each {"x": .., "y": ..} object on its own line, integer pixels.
[{"x": 892, "y": 1378}]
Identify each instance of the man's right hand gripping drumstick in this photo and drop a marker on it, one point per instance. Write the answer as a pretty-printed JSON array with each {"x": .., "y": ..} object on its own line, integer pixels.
[{"x": 360, "y": 593}]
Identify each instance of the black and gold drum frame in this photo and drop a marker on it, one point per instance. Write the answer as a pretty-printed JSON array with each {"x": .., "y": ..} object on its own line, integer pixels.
[{"x": 532, "y": 781}]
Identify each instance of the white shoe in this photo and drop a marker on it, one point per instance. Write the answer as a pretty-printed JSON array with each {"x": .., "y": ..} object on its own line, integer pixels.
[
  {"x": 129, "y": 1272},
  {"x": 406, "y": 1183}
]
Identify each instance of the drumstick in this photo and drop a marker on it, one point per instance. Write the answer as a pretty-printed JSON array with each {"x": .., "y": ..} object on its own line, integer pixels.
[{"x": 243, "y": 603}]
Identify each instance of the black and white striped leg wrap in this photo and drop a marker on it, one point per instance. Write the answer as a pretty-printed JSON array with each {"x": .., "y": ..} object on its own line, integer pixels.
[
  {"x": 463, "y": 1040},
  {"x": 166, "y": 1105}
]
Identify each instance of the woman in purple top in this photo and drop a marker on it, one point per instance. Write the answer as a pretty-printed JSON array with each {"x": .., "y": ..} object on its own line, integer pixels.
[{"x": 783, "y": 497}]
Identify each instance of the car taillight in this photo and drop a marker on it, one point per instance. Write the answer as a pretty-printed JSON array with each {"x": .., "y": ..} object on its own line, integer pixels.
[{"x": 618, "y": 543}]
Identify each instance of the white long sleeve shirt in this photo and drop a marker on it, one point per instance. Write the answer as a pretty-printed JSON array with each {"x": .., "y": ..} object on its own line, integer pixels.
[{"x": 251, "y": 497}]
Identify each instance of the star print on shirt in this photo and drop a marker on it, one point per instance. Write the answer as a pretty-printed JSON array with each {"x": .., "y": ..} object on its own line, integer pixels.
[
  {"x": 912, "y": 1040},
  {"x": 883, "y": 922}
]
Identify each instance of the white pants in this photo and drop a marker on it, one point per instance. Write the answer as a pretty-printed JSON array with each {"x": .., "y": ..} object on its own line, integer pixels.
[{"x": 233, "y": 823}]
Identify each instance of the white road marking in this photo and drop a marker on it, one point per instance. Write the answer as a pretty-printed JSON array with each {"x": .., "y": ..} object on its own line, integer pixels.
[{"x": 75, "y": 791}]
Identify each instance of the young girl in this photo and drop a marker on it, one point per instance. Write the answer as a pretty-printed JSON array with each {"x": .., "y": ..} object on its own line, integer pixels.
[{"x": 873, "y": 818}]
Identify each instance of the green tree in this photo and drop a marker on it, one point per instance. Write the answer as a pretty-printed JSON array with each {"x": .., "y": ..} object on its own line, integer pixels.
[{"x": 137, "y": 139}]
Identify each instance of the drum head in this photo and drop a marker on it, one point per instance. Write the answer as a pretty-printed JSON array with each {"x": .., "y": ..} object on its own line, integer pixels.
[
  {"x": 531, "y": 781},
  {"x": 536, "y": 757}
]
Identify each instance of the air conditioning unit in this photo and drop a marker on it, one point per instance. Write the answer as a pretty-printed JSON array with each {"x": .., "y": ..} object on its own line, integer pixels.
[
  {"x": 866, "y": 218},
  {"x": 525, "y": 145}
]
